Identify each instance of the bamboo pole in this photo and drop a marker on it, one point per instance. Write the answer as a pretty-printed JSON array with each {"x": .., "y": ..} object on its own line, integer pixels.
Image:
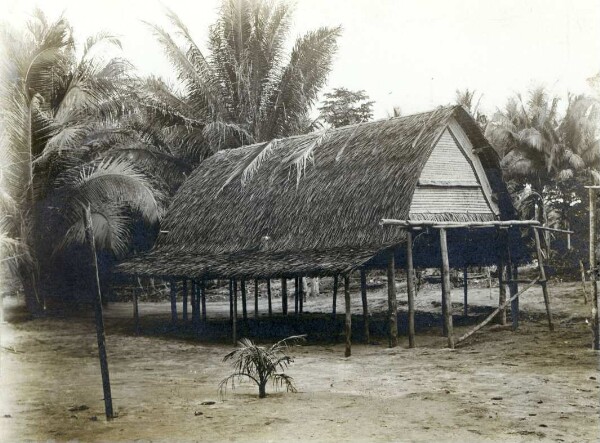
[
  {"x": 301, "y": 294},
  {"x": 465, "y": 292},
  {"x": 410, "y": 289},
  {"x": 203, "y": 297},
  {"x": 173, "y": 301},
  {"x": 256, "y": 298},
  {"x": 296, "y": 295},
  {"x": 89, "y": 237},
  {"x": 231, "y": 299},
  {"x": 363, "y": 294},
  {"x": 501, "y": 291},
  {"x": 235, "y": 306},
  {"x": 449, "y": 225},
  {"x": 496, "y": 311},
  {"x": 543, "y": 282},
  {"x": 244, "y": 306},
  {"x": 284, "y": 296},
  {"x": 348, "y": 322},
  {"x": 269, "y": 297},
  {"x": 193, "y": 291},
  {"x": 335, "y": 289},
  {"x": 594, "y": 268},
  {"x": 392, "y": 301},
  {"x": 446, "y": 287},
  {"x": 185, "y": 300},
  {"x": 583, "y": 287},
  {"x": 136, "y": 311}
]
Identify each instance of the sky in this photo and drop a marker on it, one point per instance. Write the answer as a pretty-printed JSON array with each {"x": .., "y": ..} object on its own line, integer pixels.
[{"x": 411, "y": 54}]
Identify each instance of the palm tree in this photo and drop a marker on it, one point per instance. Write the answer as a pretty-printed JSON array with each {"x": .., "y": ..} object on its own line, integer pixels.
[
  {"x": 55, "y": 105},
  {"x": 247, "y": 89},
  {"x": 261, "y": 364}
]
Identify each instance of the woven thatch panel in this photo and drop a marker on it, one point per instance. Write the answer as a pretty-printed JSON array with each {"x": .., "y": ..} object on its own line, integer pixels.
[{"x": 322, "y": 217}]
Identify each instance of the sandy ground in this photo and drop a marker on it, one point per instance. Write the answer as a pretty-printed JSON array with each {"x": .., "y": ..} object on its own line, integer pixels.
[{"x": 527, "y": 385}]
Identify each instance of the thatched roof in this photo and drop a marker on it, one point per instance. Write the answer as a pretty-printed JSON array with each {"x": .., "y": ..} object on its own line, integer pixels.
[{"x": 305, "y": 205}]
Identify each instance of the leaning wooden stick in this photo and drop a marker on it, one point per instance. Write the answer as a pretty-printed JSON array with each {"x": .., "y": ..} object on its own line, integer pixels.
[{"x": 496, "y": 311}]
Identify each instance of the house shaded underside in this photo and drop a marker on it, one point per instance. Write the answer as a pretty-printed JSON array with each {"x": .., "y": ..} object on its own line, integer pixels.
[{"x": 322, "y": 216}]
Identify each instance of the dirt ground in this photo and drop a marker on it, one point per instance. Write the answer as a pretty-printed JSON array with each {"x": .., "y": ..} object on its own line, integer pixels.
[{"x": 501, "y": 385}]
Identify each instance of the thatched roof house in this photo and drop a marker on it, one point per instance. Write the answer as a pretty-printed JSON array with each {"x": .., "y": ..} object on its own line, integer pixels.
[{"x": 312, "y": 204}]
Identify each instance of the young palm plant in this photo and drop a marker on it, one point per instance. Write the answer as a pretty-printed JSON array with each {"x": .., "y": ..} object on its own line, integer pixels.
[{"x": 261, "y": 364}]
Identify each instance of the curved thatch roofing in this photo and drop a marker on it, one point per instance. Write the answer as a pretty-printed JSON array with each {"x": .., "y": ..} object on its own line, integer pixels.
[{"x": 306, "y": 205}]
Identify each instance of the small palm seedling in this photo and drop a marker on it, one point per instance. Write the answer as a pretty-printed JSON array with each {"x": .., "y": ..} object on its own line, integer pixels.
[{"x": 261, "y": 364}]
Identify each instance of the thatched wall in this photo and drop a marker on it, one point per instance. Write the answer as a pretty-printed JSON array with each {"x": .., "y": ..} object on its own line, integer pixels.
[{"x": 304, "y": 205}]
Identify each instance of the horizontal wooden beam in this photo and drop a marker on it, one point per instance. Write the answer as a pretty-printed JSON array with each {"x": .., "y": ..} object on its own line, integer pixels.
[
  {"x": 449, "y": 183},
  {"x": 441, "y": 224},
  {"x": 546, "y": 228}
]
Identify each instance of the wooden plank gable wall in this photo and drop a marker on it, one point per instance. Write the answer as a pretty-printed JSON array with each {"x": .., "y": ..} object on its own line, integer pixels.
[{"x": 451, "y": 182}]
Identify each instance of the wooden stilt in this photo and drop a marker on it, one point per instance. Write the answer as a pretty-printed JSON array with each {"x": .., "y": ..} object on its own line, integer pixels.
[
  {"x": 466, "y": 292},
  {"x": 392, "y": 301},
  {"x": 444, "y": 305},
  {"x": 446, "y": 287},
  {"x": 184, "y": 309},
  {"x": 410, "y": 289},
  {"x": 543, "y": 282},
  {"x": 514, "y": 304},
  {"x": 301, "y": 294},
  {"x": 594, "y": 268},
  {"x": 173, "y": 301},
  {"x": 231, "y": 299},
  {"x": 363, "y": 294},
  {"x": 235, "y": 306},
  {"x": 244, "y": 306},
  {"x": 284, "y": 296},
  {"x": 97, "y": 296},
  {"x": 296, "y": 295},
  {"x": 501, "y": 291},
  {"x": 269, "y": 297},
  {"x": 348, "y": 322},
  {"x": 255, "y": 298},
  {"x": 136, "y": 312},
  {"x": 203, "y": 297},
  {"x": 335, "y": 289},
  {"x": 193, "y": 301}
]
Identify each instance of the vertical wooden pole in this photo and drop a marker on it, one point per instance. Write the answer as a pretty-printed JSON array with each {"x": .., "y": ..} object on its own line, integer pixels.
[
  {"x": 284, "y": 296},
  {"x": 446, "y": 287},
  {"x": 193, "y": 301},
  {"x": 594, "y": 268},
  {"x": 410, "y": 289},
  {"x": 301, "y": 294},
  {"x": 255, "y": 298},
  {"x": 231, "y": 299},
  {"x": 348, "y": 322},
  {"x": 185, "y": 300},
  {"x": 543, "y": 282},
  {"x": 335, "y": 289},
  {"x": 244, "y": 306},
  {"x": 136, "y": 312},
  {"x": 296, "y": 295},
  {"x": 234, "y": 320},
  {"x": 89, "y": 237},
  {"x": 203, "y": 297},
  {"x": 269, "y": 297},
  {"x": 392, "y": 301},
  {"x": 465, "y": 292},
  {"x": 444, "y": 305},
  {"x": 363, "y": 295},
  {"x": 501, "y": 292},
  {"x": 173, "y": 301}
]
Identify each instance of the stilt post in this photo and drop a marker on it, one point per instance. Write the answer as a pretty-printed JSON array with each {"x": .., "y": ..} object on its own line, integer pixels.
[
  {"x": 256, "y": 298},
  {"x": 348, "y": 322},
  {"x": 335, "y": 289},
  {"x": 392, "y": 301},
  {"x": 296, "y": 295},
  {"x": 184, "y": 309},
  {"x": 269, "y": 297},
  {"x": 410, "y": 289},
  {"x": 501, "y": 291},
  {"x": 235, "y": 306},
  {"x": 543, "y": 282},
  {"x": 465, "y": 292},
  {"x": 244, "y": 306},
  {"x": 136, "y": 311},
  {"x": 446, "y": 287},
  {"x": 301, "y": 294},
  {"x": 594, "y": 268},
  {"x": 284, "y": 296},
  {"x": 173, "y": 301},
  {"x": 203, "y": 297},
  {"x": 89, "y": 237},
  {"x": 363, "y": 294}
]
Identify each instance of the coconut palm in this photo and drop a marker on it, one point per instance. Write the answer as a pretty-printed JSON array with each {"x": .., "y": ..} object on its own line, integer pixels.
[
  {"x": 247, "y": 89},
  {"x": 54, "y": 104},
  {"x": 261, "y": 364}
]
